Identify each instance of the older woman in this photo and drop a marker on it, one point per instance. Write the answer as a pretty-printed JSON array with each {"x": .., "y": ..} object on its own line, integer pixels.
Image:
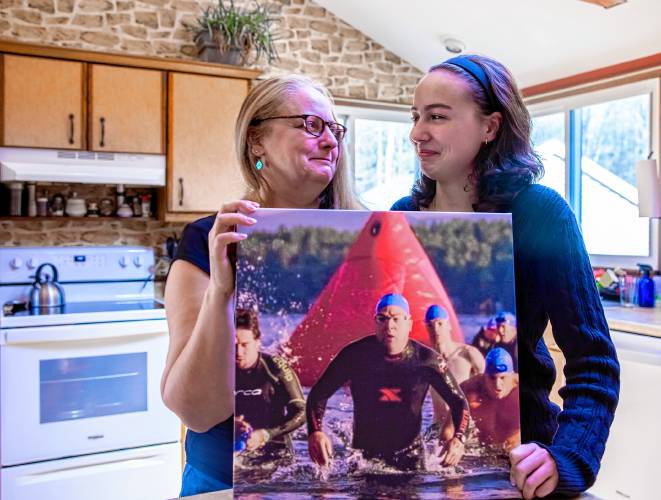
[
  {"x": 471, "y": 131},
  {"x": 290, "y": 150}
]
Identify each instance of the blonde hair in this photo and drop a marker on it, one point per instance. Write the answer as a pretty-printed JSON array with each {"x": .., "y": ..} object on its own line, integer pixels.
[{"x": 264, "y": 100}]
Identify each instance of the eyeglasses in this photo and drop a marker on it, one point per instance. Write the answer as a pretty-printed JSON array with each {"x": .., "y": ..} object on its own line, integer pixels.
[
  {"x": 314, "y": 125},
  {"x": 384, "y": 318}
]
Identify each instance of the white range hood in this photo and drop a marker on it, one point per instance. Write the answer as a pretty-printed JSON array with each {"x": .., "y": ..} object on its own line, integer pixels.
[{"x": 87, "y": 167}]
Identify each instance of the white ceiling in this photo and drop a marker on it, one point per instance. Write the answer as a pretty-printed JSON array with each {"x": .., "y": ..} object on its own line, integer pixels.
[{"x": 538, "y": 40}]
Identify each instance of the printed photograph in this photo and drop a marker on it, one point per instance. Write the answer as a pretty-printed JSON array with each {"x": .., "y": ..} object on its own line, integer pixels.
[{"x": 376, "y": 356}]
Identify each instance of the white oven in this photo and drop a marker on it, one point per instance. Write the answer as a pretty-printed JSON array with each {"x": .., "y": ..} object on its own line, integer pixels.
[
  {"x": 76, "y": 389},
  {"x": 147, "y": 473},
  {"x": 81, "y": 414}
]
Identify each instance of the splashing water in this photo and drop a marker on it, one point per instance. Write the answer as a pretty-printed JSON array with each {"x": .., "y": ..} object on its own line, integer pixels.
[{"x": 483, "y": 472}]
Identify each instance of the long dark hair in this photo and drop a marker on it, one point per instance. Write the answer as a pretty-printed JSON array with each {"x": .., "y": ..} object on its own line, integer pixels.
[{"x": 507, "y": 164}]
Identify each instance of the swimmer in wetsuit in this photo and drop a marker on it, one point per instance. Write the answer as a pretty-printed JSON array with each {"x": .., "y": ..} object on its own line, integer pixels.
[
  {"x": 389, "y": 376},
  {"x": 269, "y": 400}
]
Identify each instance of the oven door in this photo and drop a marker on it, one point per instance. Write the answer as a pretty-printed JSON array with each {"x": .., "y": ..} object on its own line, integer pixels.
[
  {"x": 78, "y": 389},
  {"x": 151, "y": 472}
]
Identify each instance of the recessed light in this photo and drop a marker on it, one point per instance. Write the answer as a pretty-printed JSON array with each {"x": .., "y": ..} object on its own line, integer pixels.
[{"x": 454, "y": 46}]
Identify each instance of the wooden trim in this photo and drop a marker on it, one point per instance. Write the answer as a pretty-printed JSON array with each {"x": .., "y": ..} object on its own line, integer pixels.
[
  {"x": 129, "y": 60},
  {"x": 83, "y": 107},
  {"x": 169, "y": 181},
  {"x": 594, "y": 75},
  {"x": 365, "y": 104},
  {"x": 615, "y": 82},
  {"x": 184, "y": 216},
  {"x": 89, "y": 109},
  {"x": 2, "y": 99},
  {"x": 164, "y": 112}
]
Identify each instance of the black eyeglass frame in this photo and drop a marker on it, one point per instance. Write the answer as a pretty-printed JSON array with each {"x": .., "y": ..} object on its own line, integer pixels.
[{"x": 341, "y": 128}]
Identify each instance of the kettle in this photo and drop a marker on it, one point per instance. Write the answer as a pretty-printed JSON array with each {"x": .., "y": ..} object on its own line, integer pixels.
[{"x": 46, "y": 292}]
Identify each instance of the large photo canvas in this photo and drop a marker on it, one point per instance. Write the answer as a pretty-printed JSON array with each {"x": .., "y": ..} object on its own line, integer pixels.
[{"x": 375, "y": 356}]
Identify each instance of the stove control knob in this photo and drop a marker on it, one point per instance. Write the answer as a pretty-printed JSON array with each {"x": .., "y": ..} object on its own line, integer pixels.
[
  {"x": 123, "y": 261},
  {"x": 16, "y": 263},
  {"x": 32, "y": 263},
  {"x": 138, "y": 261}
]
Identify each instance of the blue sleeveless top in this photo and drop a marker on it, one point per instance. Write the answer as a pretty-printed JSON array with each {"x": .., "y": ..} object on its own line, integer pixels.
[{"x": 211, "y": 451}]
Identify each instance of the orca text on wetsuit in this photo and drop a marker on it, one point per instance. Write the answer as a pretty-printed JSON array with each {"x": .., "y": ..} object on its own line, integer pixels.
[{"x": 269, "y": 397}]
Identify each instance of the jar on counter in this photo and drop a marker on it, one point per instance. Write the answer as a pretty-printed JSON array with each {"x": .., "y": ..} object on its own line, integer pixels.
[
  {"x": 32, "y": 199},
  {"x": 57, "y": 205},
  {"x": 124, "y": 211},
  {"x": 75, "y": 206},
  {"x": 136, "y": 205},
  {"x": 146, "y": 205},
  {"x": 92, "y": 209},
  {"x": 106, "y": 207},
  {"x": 15, "y": 198},
  {"x": 42, "y": 206}
]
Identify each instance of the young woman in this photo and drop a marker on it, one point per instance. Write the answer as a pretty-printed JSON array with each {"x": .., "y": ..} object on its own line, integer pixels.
[
  {"x": 291, "y": 156},
  {"x": 471, "y": 131}
]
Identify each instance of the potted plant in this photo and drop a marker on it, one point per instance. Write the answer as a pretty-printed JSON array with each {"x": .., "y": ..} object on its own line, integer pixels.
[{"x": 229, "y": 34}]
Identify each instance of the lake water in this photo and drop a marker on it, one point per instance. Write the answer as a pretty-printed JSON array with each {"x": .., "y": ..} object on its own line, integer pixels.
[{"x": 483, "y": 473}]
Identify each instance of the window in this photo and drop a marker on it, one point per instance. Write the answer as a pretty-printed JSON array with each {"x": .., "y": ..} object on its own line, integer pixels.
[
  {"x": 380, "y": 154},
  {"x": 590, "y": 144}
]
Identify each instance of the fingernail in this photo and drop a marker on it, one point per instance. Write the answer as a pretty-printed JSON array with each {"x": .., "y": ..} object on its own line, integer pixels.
[
  {"x": 250, "y": 220},
  {"x": 242, "y": 236}
]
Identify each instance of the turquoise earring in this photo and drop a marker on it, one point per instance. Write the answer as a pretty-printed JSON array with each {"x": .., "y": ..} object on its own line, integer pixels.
[{"x": 259, "y": 165}]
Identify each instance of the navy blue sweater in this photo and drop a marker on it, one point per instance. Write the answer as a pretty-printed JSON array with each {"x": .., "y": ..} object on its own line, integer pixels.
[{"x": 554, "y": 281}]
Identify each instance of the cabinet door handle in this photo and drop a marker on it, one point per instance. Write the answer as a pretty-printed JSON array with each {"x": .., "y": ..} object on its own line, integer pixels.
[
  {"x": 102, "y": 142},
  {"x": 181, "y": 191},
  {"x": 71, "y": 117}
]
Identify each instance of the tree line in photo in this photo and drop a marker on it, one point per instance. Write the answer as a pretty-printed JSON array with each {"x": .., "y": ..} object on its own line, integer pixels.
[{"x": 294, "y": 264}]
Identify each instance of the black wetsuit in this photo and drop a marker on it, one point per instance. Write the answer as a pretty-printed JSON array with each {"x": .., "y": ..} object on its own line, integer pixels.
[
  {"x": 269, "y": 397},
  {"x": 388, "y": 393}
]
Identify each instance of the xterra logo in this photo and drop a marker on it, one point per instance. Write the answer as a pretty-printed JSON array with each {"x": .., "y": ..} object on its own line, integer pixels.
[
  {"x": 390, "y": 394},
  {"x": 248, "y": 392}
]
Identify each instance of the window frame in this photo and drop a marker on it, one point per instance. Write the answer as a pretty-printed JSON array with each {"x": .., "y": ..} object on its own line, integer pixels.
[
  {"x": 366, "y": 110},
  {"x": 566, "y": 105}
]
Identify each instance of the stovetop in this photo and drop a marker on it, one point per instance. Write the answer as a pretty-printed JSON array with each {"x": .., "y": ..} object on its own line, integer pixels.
[{"x": 86, "y": 312}]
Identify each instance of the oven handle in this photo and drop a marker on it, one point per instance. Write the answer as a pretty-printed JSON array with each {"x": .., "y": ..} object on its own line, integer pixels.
[
  {"x": 72, "y": 472},
  {"x": 121, "y": 330}
]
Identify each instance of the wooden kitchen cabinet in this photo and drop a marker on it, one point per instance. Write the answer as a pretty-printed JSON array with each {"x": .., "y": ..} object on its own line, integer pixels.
[
  {"x": 43, "y": 102},
  {"x": 203, "y": 172},
  {"x": 126, "y": 109}
]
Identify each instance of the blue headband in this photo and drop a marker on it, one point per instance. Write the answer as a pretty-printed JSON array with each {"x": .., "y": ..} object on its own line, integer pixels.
[
  {"x": 436, "y": 312},
  {"x": 476, "y": 71},
  {"x": 392, "y": 299},
  {"x": 498, "y": 360}
]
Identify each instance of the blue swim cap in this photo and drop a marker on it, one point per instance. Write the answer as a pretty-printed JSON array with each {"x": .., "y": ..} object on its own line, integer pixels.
[
  {"x": 436, "y": 312},
  {"x": 392, "y": 299},
  {"x": 498, "y": 360},
  {"x": 491, "y": 324},
  {"x": 506, "y": 317}
]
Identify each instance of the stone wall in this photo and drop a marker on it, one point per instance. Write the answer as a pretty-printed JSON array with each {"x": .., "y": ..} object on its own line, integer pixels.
[{"x": 312, "y": 41}]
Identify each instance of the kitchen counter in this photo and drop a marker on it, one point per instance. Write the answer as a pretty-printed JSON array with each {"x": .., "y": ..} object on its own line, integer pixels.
[
  {"x": 640, "y": 320},
  {"x": 216, "y": 495}
]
